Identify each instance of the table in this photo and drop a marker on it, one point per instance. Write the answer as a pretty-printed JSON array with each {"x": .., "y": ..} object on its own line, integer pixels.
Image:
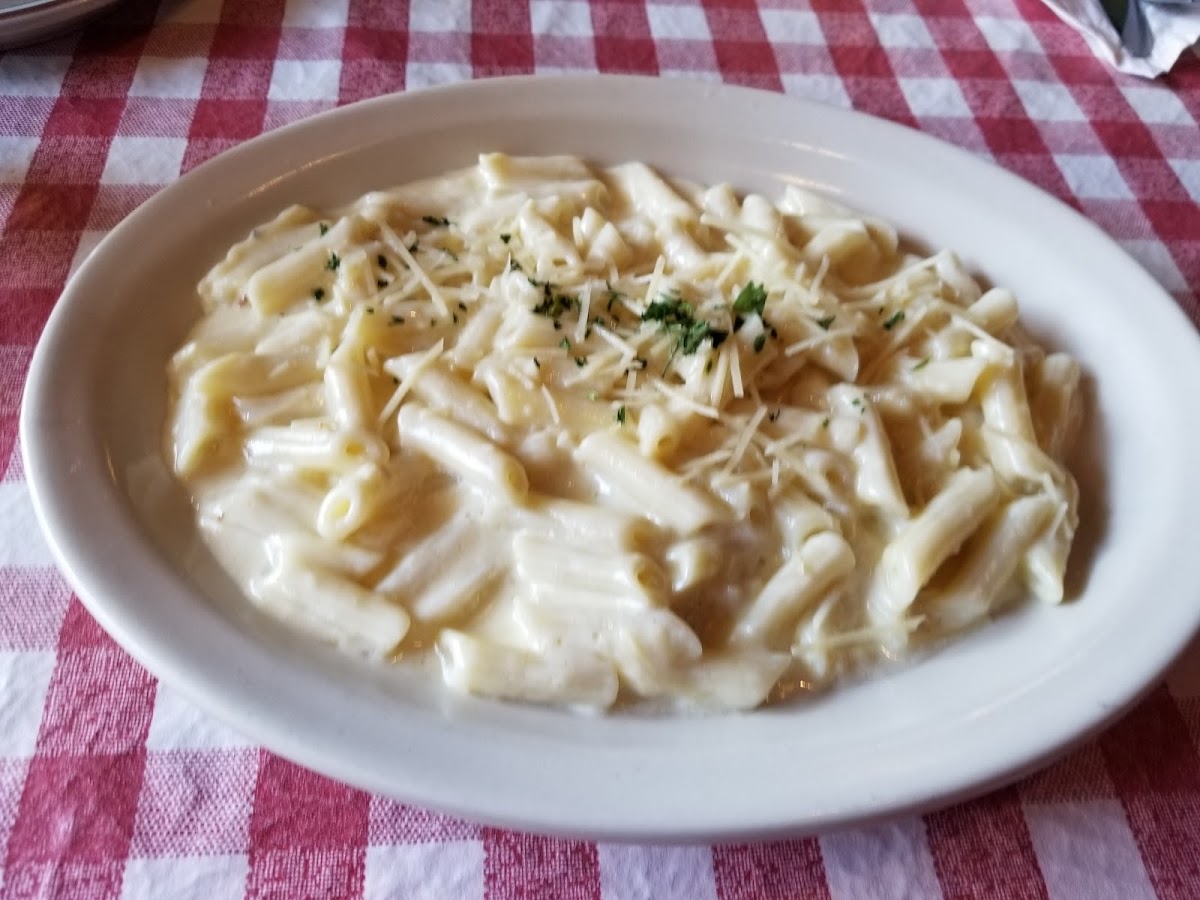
[{"x": 111, "y": 785}]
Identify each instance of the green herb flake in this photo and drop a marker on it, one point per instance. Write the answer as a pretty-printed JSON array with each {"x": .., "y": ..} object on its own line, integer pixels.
[
  {"x": 506, "y": 237},
  {"x": 581, "y": 361},
  {"x": 462, "y": 306},
  {"x": 395, "y": 380},
  {"x": 825, "y": 422},
  {"x": 451, "y": 254},
  {"x": 397, "y": 320},
  {"x": 751, "y": 299},
  {"x": 370, "y": 310},
  {"x": 318, "y": 294},
  {"x": 554, "y": 304},
  {"x": 536, "y": 364},
  {"x": 324, "y": 228},
  {"x": 593, "y": 395},
  {"x": 514, "y": 266},
  {"x": 436, "y": 221},
  {"x": 415, "y": 246},
  {"x": 760, "y": 342},
  {"x": 381, "y": 282},
  {"x": 333, "y": 262},
  {"x": 922, "y": 364},
  {"x": 454, "y": 317},
  {"x": 677, "y": 318},
  {"x": 621, "y": 415},
  {"x": 825, "y": 322},
  {"x": 382, "y": 260},
  {"x": 565, "y": 343},
  {"x": 893, "y": 320},
  {"x": 708, "y": 367}
]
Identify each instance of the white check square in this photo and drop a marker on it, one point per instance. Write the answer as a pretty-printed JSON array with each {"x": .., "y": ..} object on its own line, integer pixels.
[
  {"x": 425, "y": 74},
  {"x": 1093, "y": 177},
  {"x": 677, "y": 22},
  {"x": 24, "y": 680},
  {"x": 940, "y": 97},
  {"x": 143, "y": 160},
  {"x": 16, "y": 153},
  {"x": 785, "y": 26},
  {"x": 178, "y": 725},
  {"x": 425, "y": 871},
  {"x": 305, "y": 79},
  {"x": 210, "y": 877},
  {"x": 439, "y": 16},
  {"x": 822, "y": 88},
  {"x": 1048, "y": 102},
  {"x": 562, "y": 19},
  {"x": 32, "y": 76},
  {"x": 1158, "y": 105},
  {"x": 157, "y": 76},
  {"x": 1188, "y": 171},
  {"x": 898, "y": 31}
]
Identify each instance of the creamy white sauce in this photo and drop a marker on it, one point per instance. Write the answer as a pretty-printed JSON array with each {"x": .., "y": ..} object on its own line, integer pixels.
[{"x": 597, "y": 436}]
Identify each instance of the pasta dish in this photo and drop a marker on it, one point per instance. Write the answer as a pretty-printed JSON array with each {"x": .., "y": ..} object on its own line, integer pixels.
[{"x": 588, "y": 436}]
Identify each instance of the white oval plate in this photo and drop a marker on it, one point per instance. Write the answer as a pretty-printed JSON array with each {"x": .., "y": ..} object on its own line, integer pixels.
[{"x": 966, "y": 719}]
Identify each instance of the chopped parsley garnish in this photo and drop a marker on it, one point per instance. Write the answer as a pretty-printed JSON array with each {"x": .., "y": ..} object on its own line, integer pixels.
[
  {"x": 825, "y": 422},
  {"x": 505, "y": 237},
  {"x": 333, "y": 262},
  {"x": 677, "y": 318},
  {"x": 324, "y": 228},
  {"x": 382, "y": 260},
  {"x": 416, "y": 245},
  {"x": 381, "y": 282},
  {"x": 451, "y": 254},
  {"x": 621, "y": 414},
  {"x": 708, "y": 367},
  {"x": 565, "y": 343},
  {"x": 553, "y": 303},
  {"x": 893, "y": 320},
  {"x": 593, "y": 395},
  {"x": 639, "y": 363},
  {"x": 514, "y": 266},
  {"x": 454, "y": 317},
  {"x": 395, "y": 380},
  {"x": 397, "y": 320},
  {"x": 462, "y": 306},
  {"x": 438, "y": 221},
  {"x": 318, "y": 294},
  {"x": 760, "y": 342},
  {"x": 536, "y": 364},
  {"x": 370, "y": 310},
  {"x": 825, "y": 322},
  {"x": 922, "y": 364},
  {"x": 581, "y": 361},
  {"x": 751, "y": 299}
]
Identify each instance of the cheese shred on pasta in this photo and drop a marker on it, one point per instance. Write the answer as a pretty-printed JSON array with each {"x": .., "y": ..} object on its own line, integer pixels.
[{"x": 589, "y": 436}]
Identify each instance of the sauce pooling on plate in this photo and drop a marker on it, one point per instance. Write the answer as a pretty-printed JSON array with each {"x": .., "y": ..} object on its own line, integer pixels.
[{"x": 594, "y": 435}]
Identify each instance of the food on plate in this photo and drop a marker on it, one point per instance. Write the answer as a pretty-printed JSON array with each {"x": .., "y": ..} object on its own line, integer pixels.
[{"x": 591, "y": 435}]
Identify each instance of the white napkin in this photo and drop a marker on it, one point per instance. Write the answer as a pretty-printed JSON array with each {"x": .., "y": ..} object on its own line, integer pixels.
[{"x": 1155, "y": 32}]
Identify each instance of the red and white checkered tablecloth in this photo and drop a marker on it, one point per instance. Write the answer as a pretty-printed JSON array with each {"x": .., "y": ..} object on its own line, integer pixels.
[{"x": 113, "y": 786}]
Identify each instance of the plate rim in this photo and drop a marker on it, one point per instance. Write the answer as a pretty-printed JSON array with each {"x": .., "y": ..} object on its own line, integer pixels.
[{"x": 206, "y": 693}]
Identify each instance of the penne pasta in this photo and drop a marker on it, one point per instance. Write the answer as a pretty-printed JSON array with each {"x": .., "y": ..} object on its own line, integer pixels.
[{"x": 595, "y": 436}]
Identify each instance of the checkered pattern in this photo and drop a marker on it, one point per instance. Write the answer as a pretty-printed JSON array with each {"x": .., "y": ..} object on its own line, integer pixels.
[{"x": 112, "y": 786}]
